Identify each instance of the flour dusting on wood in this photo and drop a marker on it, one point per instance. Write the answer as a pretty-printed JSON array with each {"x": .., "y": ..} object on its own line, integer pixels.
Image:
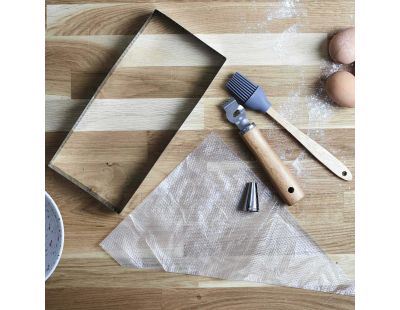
[
  {"x": 283, "y": 40},
  {"x": 286, "y": 9},
  {"x": 320, "y": 108}
]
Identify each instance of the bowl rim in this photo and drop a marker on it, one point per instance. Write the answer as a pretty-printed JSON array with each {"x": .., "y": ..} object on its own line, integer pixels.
[{"x": 55, "y": 208}]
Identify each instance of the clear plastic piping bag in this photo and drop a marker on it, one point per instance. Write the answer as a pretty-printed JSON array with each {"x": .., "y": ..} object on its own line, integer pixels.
[{"x": 192, "y": 223}]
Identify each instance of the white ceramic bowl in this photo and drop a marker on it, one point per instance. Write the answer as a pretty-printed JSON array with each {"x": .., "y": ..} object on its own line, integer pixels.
[{"x": 54, "y": 231}]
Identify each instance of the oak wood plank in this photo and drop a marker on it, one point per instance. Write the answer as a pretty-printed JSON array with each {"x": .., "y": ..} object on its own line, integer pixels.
[
  {"x": 277, "y": 81},
  {"x": 62, "y": 113},
  {"x": 221, "y": 16},
  {"x": 95, "y": 298},
  {"x": 322, "y": 218},
  {"x": 93, "y": 53},
  {"x": 121, "y": 173},
  {"x": 83, "y": 42},
  {"x": 122, "y": 166},
  {"x": 158, "y": 82},
  {"x": 252, "y": 298},
  {"x": 221, "y": 298},
  {"x": 136, "y": 114},
  {"x": 272, "y": 49}
]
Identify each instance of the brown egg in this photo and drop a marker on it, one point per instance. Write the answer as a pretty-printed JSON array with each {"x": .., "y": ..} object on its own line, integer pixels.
[
  {"x": 340, "y": 87},
  {"x": 342, "y": 46}
]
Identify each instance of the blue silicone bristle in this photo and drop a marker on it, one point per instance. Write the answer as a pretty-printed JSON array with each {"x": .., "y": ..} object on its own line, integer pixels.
[
  {"x": 250, "y": 94},
  {"x": 241, "y": 87}
]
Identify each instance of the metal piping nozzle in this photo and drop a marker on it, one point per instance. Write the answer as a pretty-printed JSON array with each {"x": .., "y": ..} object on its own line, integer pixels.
[{"x": 251, "y": 201}]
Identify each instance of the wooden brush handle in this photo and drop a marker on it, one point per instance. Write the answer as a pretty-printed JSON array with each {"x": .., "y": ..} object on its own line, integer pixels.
[
  {"x": 280, "y": 176},
  {"x": 320, "y": 153}
]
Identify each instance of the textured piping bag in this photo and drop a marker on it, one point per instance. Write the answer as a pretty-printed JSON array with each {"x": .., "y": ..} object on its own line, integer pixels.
[{"x": 191, "y": 223}]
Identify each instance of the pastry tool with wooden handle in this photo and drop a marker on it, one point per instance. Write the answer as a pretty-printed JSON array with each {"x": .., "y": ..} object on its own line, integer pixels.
[
  {"x": 254, "y": 98},
  {"x": 283, "y": 181}
]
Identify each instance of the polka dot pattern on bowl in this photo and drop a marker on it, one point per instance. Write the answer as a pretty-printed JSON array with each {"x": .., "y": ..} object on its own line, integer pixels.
[{"x": 54, "y": 232}]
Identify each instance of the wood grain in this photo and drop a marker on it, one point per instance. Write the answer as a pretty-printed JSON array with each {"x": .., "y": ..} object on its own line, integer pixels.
[
  {"x": 92, "y": 298},
  {"x": 122, "y": 157},
  {"x": 320, "y": 153},
  {"x": 136, "y": 114},
  {"x": 212, "y": 298},
  {"x": 253, "y": 298},
  {"x": 277, "y": 80},
  {"x": 90, "y": 160},
  {"x": 222, "y": 17},
  {"x": 156, "y": 82},
  {"x": 62, "y": 112},
  {"x": 87, "y": 277},
  {"x": 323, "y": 192},
  {"x": 278, "y": 174},
  {"x": 83, "y": 42},
  {"x": 299, "y": 49}
]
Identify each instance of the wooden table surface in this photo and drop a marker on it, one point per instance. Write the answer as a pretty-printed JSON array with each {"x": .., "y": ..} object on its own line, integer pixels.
[{"x": 87, "y": 278}]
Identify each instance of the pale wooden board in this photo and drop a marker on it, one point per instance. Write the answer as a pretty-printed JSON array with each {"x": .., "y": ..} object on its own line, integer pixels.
[
  {"x": 221, "y": 16},
  {"x": 191, "y": 298},
  {"x": 85, "y": 40}
]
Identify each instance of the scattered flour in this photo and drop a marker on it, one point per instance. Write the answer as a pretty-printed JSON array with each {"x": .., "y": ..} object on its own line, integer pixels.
[
  {"x": 297, "y": 164},
  {"x": 320, "y": 108},
  {"x": 328, "y": 68},
  {"x": 286, "y": 9},
  {"x": 281, "y": 43},
  {"x": 294, "y": 107}
]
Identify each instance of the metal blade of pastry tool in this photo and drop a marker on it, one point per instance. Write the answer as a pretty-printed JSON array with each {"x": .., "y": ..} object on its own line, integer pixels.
[
  {"x": 283, "y": 181},
  {"x": 236, "y": 114}
]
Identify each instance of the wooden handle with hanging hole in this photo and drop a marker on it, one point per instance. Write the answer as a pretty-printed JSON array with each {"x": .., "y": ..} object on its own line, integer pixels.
[
  {"x": 282, "y": 179},
  {"x": 320, "y": 153}
]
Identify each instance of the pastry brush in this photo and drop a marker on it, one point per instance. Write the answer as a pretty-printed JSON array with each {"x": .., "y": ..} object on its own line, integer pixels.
[{"x": 253, "y": 97}]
